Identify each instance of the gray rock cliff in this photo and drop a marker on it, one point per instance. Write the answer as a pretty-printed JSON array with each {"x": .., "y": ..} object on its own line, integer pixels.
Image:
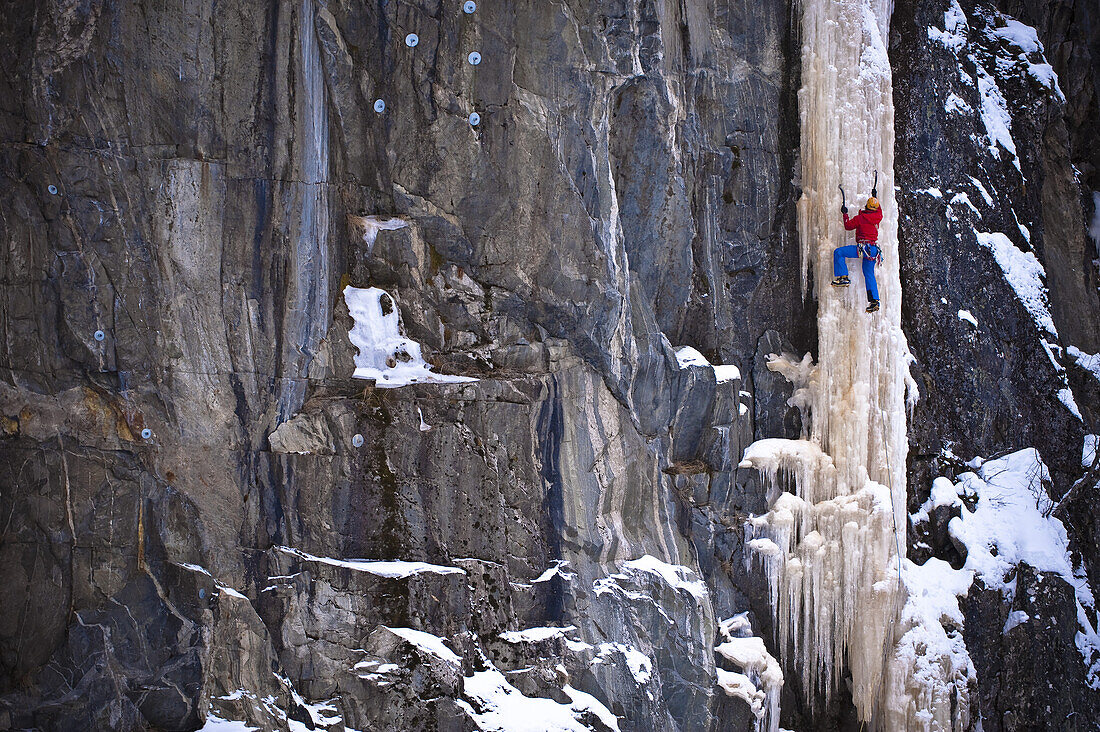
[{"x": 205, "y": 516}]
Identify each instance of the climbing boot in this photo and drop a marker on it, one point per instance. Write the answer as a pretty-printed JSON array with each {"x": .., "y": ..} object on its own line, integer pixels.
[
  {"x": 841, "y": 281},
  {"x": 872, "y": 306}
]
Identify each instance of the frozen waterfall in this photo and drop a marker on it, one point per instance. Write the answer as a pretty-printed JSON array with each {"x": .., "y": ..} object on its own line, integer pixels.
[{"x": 833, "y": 549}]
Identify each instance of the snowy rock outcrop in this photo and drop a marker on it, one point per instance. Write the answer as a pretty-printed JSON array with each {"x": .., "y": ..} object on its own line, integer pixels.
[{"x": 209, "y": 224}]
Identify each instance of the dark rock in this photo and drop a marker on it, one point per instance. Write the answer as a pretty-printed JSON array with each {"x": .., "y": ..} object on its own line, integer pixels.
[{"x": 1020, "y": 644}]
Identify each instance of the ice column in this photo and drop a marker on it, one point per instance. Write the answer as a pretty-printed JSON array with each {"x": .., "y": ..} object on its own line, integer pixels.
[{"x": 831, "y": 548}]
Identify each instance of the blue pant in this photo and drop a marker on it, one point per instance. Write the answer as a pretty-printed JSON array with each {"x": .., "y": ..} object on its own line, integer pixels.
[{"x": 840, "y": 267}]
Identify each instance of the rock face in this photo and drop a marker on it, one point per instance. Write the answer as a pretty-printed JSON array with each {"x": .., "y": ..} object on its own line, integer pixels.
[{"x": 185, "y": 502}]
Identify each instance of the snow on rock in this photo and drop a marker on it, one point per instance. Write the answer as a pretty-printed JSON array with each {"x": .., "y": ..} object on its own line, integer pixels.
[
  {"x": 1012, "y": 522},
  {"x": 1024, "y": 231},
  {"x": 687, "y": 356},
  {"x": 934, "y": 192},
  {"x": 1065, "y": 395},
  {"x": 1088, "y": 452},
  {"x": 981, "y": 189},
  {"x": 1015, "y": 618},
  {"x": 220, "y": 585},
  {"x": 497, "y": 706},
  {"x": 762, "y": 679},
  {"x": 534, "y": 635},
  {"x": 955, "y": 28},
  {"x": 432, "y": 644},
  {"x": 1022, "y": 36},
  {"x": 384, "y": 354},
  {"x": 943, "y": 493},
  {"x": 1024, "y": 273},
  {"x": 640, "y": 665},
  {"x": 559, "y": 569},
  {"x": 675, "y": 575},
  {"x": 726, "y": 372},
  {"x": 215, "y": 723},
  {"x": 956, "y": 105},
  {"x": 962, "y": 198},
  {"x": 381, "y": 568},
  {"x": 1088, "y": 361},
  {"x": 995, "y": 116},
  {"x": 739, "y": 685},
  {"x": 1025, "y": 38},
  {"x": 968, "y": 317}
]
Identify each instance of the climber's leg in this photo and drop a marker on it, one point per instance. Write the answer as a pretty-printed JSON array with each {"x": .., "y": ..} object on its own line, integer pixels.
[
  {"x": 869, "y": 277},
  {"x": 840, "y": 267}
]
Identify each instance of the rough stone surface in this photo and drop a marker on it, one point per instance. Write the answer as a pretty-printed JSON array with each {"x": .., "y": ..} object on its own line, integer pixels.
[{"x": 630, "y": 189}]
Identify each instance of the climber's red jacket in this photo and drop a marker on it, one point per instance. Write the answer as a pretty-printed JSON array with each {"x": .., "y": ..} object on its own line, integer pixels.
[{"x": 865, "y": 223}]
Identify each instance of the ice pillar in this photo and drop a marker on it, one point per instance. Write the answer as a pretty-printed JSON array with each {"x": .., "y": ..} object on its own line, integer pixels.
[{"x": 832, "y": 549}]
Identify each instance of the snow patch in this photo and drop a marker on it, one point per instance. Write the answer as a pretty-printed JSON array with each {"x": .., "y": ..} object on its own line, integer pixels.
[
  {"x": 640, "y": 665},
  {"x": 981, "y": 189},
  {"x": 1020, "y": 35},
  {"x": 1024, "y": 273},
  {"x": 995, "y": 116},
  {"x": 220, "y": 585},
  {"x": 497, "y": 706},
  {"x": 675, "y": 575},
  {"x": 429, "y": 643},
  {"x": 687, "y": 356},
  {"x": 390, "y": 569},
  {"x": 1016, "y": 617},
  {"x": 1025, "y": 38},
  {"x": 962, "y": 198},
  {"x": 1065, "y": 396},
  {"x": 955, "y": 27},
  {"x": 968, "y": 317},
  {"x": 1088, "y": 361},
  {"x": 934, "y": 192},
  {"x": 535, "y": 635},
  {"x": 956, "y": 105},
  {"x": 215, "y": 723},
  {"x": 1023, "y": 229},
  {"x": 559, "y": 569},
  {"x": 1013, "y": 522},
  {"x": 383, "y": 353}
]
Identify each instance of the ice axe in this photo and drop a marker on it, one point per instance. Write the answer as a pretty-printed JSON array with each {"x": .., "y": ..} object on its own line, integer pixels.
[
  {"x": 843, "y": 202},
  {"x": 874, "y": 186}
]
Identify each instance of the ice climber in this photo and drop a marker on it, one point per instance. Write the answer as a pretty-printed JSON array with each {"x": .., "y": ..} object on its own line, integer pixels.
[{"x": 866, "y": 248}]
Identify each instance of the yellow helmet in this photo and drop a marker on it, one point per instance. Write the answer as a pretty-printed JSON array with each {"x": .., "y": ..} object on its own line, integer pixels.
[{"x": 872, "y": 204}]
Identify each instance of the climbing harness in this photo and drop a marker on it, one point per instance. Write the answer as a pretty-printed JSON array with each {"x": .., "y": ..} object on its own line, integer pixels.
[{"x": 863, "y": 246}]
